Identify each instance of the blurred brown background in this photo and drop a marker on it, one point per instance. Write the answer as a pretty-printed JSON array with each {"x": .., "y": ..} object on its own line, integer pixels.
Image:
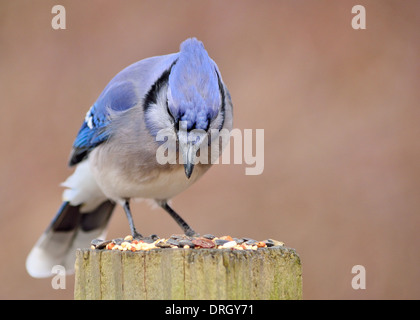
[{"x": 340, "y": 110}]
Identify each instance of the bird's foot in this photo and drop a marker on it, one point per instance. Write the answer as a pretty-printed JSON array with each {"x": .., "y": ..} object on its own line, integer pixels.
[
  {"x": 191, "y": 233},
  {"x": 150, "y": 239},
  {"x": 137, "y": 236}
]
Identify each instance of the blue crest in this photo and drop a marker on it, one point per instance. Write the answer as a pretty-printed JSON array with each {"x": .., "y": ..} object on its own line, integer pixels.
[{"x": 194, "y": 93}]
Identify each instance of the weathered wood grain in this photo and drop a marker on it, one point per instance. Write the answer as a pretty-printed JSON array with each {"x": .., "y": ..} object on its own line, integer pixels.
[{"x": 188, "y": 274}]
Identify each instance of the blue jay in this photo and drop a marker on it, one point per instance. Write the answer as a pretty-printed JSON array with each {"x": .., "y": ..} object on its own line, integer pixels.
[{"x": 114, "y": 153}]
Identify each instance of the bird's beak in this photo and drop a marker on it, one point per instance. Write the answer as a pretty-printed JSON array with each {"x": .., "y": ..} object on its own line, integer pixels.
[
  {"x": 189, "y": 157},
  {"x": 188, "y": 146}
]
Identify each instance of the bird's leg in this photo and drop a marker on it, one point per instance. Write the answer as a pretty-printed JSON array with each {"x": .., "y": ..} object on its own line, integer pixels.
[
  {"x": 127, "y": 210},
  {"x": 181, "y": 222}
]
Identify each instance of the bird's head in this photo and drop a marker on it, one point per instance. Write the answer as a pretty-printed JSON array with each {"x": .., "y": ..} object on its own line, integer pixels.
[{"x": 191, "y": 100}]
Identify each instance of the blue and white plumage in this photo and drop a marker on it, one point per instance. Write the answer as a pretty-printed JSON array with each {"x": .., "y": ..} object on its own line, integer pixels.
[{"x": 115, "y": 150}]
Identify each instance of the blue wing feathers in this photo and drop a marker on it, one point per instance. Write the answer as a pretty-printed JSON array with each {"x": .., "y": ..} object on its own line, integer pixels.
[{"x": 117, "y": 96}]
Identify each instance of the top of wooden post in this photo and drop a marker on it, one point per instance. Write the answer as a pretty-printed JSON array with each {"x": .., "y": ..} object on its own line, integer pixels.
[{"x": 266, "y": 273}]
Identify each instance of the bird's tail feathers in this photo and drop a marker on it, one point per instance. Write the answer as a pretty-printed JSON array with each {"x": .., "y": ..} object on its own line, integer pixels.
[{"x": 70, "y": 229}]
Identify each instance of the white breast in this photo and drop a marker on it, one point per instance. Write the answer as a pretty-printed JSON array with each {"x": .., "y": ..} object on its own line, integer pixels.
[
  {"x": 164, "y": 185},
  {"x": 118, "y": 183}
]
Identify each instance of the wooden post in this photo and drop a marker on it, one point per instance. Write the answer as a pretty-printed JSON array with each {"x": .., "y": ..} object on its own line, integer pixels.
[{"x": 188, "y": 274}]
